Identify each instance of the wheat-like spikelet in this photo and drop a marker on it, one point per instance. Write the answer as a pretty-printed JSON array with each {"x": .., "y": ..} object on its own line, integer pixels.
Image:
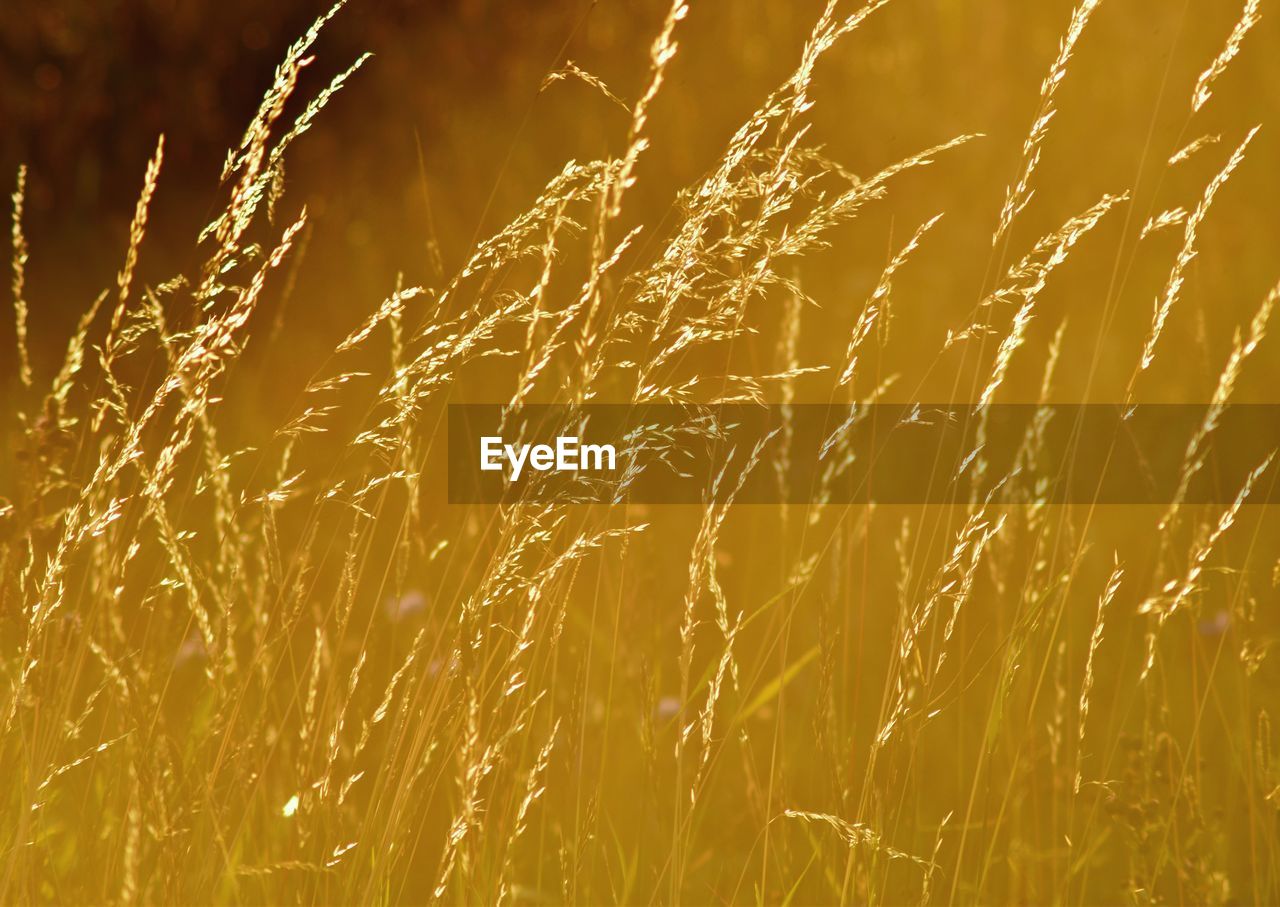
[
  {"x": 926, "y": 887},
  {"x": 1194, "y": 458},
  {"x": 1095, "y": 640},
  {"x": 249, "y": 158},
  {"x": 137, "y": 232},
  {"x": 1165, "y": 219},
  {"x": 1249, "y": 17},
  {"x": 324, "y": 785},
  {"x": 701, "y": 575},
  {"x": 535, "y": 786},
  {"x": 1028, "y": 278},
  {"x": 572, "y": 70},
  {"x": 1190, "y": 149},
  {"x": 685, "y": 266},
  {"x": 856, "y": 834},
  {"x": 876, "y": 308},
  {"x": 953, "y": 582},
  {"x": 660, "y": 55},
  {"x": 701, "y": 565},
  {"x": 476, "y": 764},
  {"x": 73, "y": 361},
  {"x": 586, "y": 345},
  {"x": 1174, "y": 594},
  {"x": 727, "y": 666},
  {"x": 20, "y": 253},
  {"x": 275, "y": 159},
  {"x": 63, "y": 769},
  {"x": 1173, "y": 288},
  {"x": 1019, "y": 192},
  {"x": 538, "y": 299}
]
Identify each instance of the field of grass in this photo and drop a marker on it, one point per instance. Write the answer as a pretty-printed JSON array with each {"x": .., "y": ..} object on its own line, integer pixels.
[{"x": 251, "y": 653}]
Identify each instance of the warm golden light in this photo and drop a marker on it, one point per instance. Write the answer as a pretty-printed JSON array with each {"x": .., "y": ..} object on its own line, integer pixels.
[{"x": 261, "y": 641}]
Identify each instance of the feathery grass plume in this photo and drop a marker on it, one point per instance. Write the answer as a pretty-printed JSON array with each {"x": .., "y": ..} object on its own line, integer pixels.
[
  {"x": 63, "y": 769},
  {"x": 1171, "y": 218},
  {"x": 856, "y": 834},
  {"x": 196, "y": 367},
  {"x": 788, "y": 363},
  {"x": 1173, "y": 288},
  {"x": 587, "y": 347},
  {"x": 1174, "y": 594},
  {"x": 1193, "y": 459},
  {"x": 537, "y": 588},
  {"x": 137, "y": 231},
  {"x": 1031, "y": 450},
  {"x": 324, "y": 784},
  {"x": 538, "y": 355},
  {"x": 269, "y": 109},
  {"x": 212, "y": 347},
  {"x": 114, "y": 344},
  {"x": 610, "y": 203},
  {"x": 926, "y": 887},
  {"x": 876, "y": 308},
  {"x": 702, "y": 575},
  {"x": 475, "y": 764},
  {"x": 1243, "y": 348},
  {"x": 720, "y": 317},
  {"x": 20, "y": 278},
  {"x": 275, "y": 160},
  {"x": 1020, "y": 192},
  {"x": 726, "y": 666},
  {"x": 826, "y": 32},
  {"x": 380, "y": 711},
  {"x": 692, "y": 262},
  {"x": 660, "y": 56},
  {"x": 574, "y": 183},
  {"x": 250, "y": 160},
  {"x": 448, "y": 344},
  {"x": 953, "y": 582},
  {"x": 1095, "y": 640},
  {"x": 1191, "y": 148},
  {"x": 571, "y": 70},
  {"x": 1249, "y": 17},
  {"x": 1028, "y": 278},
  {"x": 535, "y": 786}
]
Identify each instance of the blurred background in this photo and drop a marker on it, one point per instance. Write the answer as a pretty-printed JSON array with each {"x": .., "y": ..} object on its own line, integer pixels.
[{"x": 447, "y": 133}]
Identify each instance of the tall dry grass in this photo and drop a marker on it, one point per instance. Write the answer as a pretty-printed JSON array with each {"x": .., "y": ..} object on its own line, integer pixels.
[{"x": 286, "y": 671}]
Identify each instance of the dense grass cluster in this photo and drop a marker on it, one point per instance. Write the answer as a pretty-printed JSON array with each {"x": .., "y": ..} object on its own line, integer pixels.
[{"x": 287, "y": 670}]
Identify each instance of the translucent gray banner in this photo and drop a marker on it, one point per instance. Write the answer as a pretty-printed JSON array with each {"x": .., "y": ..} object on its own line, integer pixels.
[{"x": 845, "y": 454}]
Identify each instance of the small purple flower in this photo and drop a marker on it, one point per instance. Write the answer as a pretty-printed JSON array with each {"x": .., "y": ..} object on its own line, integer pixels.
[
  {"x": 405, "y": 606},
  {"x": 192, "y": 649},
  {"x": 1217, "y": 625}
]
